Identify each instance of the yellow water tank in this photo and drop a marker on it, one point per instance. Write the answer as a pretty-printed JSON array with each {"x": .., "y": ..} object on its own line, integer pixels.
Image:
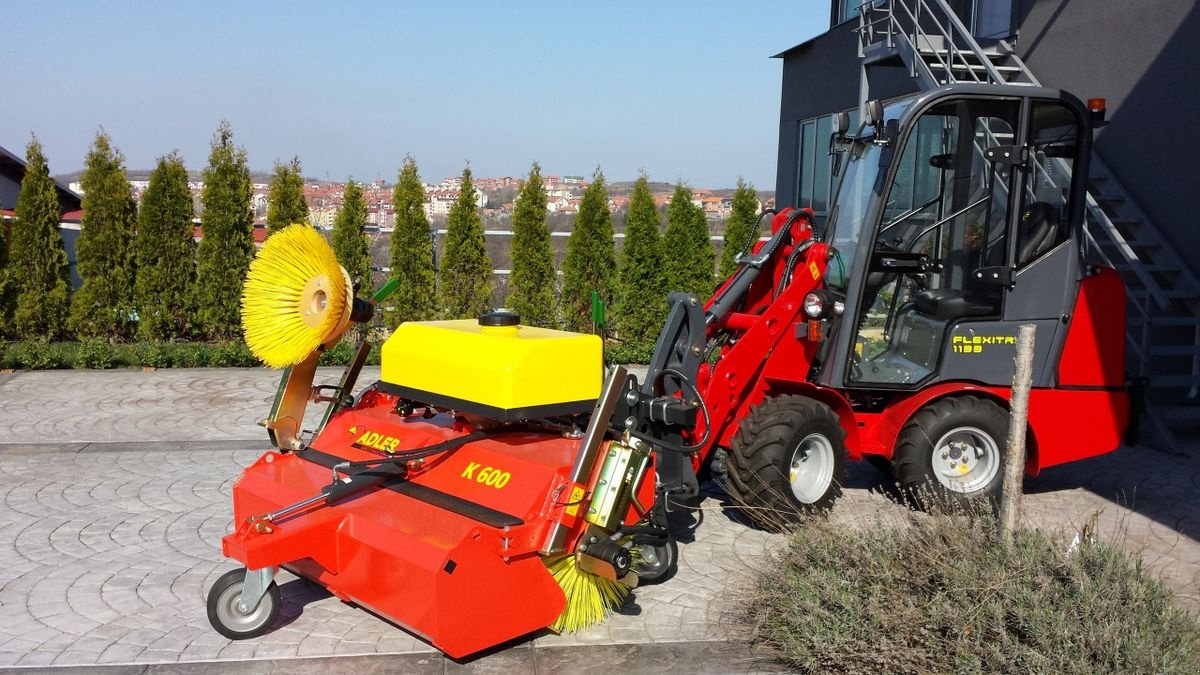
[{"x": 493, "y": 367}]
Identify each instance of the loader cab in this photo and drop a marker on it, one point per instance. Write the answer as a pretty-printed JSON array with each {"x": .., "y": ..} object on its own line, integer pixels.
[{"x": 956, "y": 219}]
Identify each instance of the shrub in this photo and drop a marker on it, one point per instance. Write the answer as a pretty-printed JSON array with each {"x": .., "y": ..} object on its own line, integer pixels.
[
  {"x": 153, "y": 354},
  {"x": 232, "y": 355},
  {"x": 36, "y": 354},
  {"x": 339, "y": 355},
  {"x": 189, "y": 354},
  {"x": 937, "y": 593},
  {"x": 41, "y": 354},
  {"x": 628, "y": 352},
  {"x": 96, "y": 354}
]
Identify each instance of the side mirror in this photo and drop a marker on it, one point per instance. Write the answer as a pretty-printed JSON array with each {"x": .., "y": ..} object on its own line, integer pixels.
[
  {"x": 873, "y": 112},
  {"x": 841, "y": 123}
]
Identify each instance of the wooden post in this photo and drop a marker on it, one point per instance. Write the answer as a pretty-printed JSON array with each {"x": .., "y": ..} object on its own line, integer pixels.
[{"x": 1014, "y": 455}]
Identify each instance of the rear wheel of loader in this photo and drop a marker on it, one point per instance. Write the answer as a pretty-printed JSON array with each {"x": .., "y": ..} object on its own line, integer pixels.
[
  {"x": 787, "y": 460},
  {"x": 953, "y": 448},
  {"x": 229, "y": 619}
]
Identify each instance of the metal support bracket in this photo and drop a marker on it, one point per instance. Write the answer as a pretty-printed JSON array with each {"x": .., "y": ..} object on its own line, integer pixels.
[{"x": 254, "y": 587}]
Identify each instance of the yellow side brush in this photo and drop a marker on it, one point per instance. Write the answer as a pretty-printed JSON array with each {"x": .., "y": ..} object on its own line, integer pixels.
[
  {"x": 296, "y": 297},
  {"x": 590, "y": 597}
]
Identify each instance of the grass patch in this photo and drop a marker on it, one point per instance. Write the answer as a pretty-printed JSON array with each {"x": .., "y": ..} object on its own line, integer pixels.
[{"x": 937, "y": 593}]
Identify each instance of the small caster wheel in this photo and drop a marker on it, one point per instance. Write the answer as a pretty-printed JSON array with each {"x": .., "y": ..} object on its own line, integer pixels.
[
  {"x": 658, "y": 563},
  {"x": 230, "y": 620}
]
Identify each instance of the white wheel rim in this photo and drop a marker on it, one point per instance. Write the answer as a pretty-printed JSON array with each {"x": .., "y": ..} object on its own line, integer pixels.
[
  {"x": 232, "y": 617},
  {"x": 966, "y": 460},
  {"x": 811, "y": 470}
]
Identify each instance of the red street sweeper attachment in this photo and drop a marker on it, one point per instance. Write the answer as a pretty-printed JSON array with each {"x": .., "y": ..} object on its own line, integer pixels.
[{"x": 476, "y": 493}]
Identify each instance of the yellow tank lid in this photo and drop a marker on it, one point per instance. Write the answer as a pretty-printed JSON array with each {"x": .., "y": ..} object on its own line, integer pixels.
[{"x": 501, "y": 370}]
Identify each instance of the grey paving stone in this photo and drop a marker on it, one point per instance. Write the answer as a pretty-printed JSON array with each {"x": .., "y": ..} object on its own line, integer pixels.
[
  {"x": 115, "y": 535},
  {"x": 673, "y": 657}
]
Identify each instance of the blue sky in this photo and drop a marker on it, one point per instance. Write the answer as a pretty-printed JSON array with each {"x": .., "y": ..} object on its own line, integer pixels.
[{"x": 681, "y": 90}]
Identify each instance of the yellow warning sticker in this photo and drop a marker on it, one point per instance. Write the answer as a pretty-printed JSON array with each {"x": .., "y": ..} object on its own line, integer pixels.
[
  {"x": 574, "y": 501},
  {"x": 814, "y": 270}
]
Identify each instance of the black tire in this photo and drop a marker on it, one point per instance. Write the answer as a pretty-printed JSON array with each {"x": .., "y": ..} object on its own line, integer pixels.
[
  {"x": 664, "y": 565},
  {"x": 234, "y": 624},
  {"x": 983, "y": 426},
  {"x": 761, "y": 457}
]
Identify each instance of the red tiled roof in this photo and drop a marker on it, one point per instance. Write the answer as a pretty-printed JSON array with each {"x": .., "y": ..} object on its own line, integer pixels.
[
  {"x": 72, "y": 216},
  {"x": 260, "y": 233}
]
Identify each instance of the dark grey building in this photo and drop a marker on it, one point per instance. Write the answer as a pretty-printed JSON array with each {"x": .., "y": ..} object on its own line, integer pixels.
[{"x": 1133, "y": 54}]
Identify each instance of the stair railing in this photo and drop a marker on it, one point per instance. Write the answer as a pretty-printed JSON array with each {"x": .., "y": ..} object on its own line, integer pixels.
[{"x": 906, "y": 21}]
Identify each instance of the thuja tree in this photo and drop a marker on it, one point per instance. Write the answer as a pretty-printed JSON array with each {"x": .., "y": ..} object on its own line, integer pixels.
[
  {"x": 39, "y": 270},
  {"x": 738, "y": 229},
  {"x": 411, "y": 252},
  {"x": 285, "y": 197},
  {"x": 688, "y": 250},
  {"x": 641, "y": 291},
  {"x": 104, "y": 305},
  {"x": 228, "y": 244},
  {"x": 465, "y": 275},
  {"x": 166, "y": 252},
  {"x": 590, "y": 264},
  {"x": 6, "y": 285},
  {"x": 532, "y": 286},
  {"x": 349, "y": 242}
]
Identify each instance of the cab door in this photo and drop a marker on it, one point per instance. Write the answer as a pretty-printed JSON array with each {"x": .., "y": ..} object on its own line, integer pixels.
[{"x": 1041, "y": 280}]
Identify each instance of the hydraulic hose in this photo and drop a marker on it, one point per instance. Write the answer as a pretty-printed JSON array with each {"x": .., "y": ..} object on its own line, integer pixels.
[
  {"x": 789, "y": 267},
  {"x": 415, "y": 453},
  {"x": 753, "y": 236},
  {"x": 684, "y": 449}
]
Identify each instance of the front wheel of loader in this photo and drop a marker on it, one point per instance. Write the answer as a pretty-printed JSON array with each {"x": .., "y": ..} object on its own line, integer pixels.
[
  {"x": 787, "y": 460},
  {"x": 232, "y": 621}
]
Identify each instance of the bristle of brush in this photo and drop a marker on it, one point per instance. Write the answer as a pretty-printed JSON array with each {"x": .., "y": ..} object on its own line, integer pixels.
[
  {"x": 272, "y": 315},
  {"x": 590, "y": 598}
]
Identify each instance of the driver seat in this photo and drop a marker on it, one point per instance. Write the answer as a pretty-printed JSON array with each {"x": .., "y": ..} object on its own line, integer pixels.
[
  {"x": 1038, "y": 231},
  {"x": 945, "y": 304}
]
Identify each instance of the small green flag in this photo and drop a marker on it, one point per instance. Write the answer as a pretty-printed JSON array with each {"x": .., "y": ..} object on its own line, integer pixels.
[{"x": 597, "y": 310}]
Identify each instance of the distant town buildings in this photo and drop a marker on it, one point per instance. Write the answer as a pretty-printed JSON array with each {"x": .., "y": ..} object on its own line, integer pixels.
[{"x": 564, "y": 195}]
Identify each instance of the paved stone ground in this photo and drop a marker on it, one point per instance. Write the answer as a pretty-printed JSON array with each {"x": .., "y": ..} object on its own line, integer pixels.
[
  {"x": 115, "y": 489},
  {"x": 177, "y": 404}
]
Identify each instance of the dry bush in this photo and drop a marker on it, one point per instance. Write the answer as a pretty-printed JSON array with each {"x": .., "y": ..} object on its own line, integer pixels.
[{"x": 936, "y": 592}]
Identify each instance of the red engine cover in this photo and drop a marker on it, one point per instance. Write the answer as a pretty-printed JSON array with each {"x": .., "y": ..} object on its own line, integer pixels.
[{"x": 1094, "y": 353}]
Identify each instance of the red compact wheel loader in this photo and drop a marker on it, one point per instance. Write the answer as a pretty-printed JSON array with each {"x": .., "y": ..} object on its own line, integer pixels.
[{"x": 493, "y": 483}]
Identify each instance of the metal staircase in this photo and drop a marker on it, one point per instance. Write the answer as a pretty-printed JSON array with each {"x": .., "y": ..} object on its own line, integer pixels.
[{"x": 1163, "y": 294}]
